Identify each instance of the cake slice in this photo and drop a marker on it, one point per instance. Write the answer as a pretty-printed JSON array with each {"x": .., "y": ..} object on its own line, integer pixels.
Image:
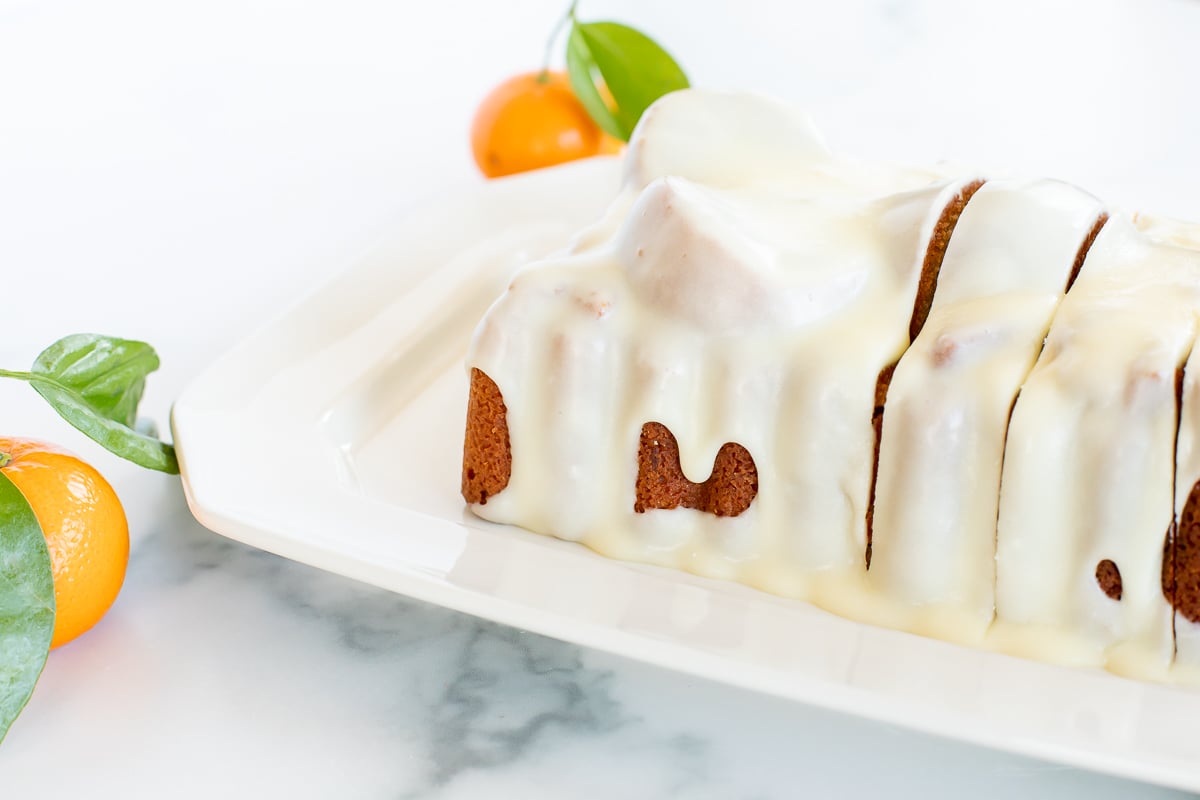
[
  {"x": 1087, "y": 491},
  {"x": 838, "y": 379},
  {"x": 1181, "y": 553},
  {"x": 947, "y": 410}
]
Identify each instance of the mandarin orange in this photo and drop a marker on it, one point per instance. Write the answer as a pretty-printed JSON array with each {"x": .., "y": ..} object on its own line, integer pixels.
[
  {"x": 531, "y": 121},
  {"x": 84, "y": 525}
]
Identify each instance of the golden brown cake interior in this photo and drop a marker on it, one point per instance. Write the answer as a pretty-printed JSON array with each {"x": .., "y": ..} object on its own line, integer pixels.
[
  {"x": 487, "y": 452},
  {"x": 1088, "y": 241},
  {"x": 935, "y": 251},
  {"x": 1181, "y": 560},
  {"x": 727, "y": 492},
  {"x": 1181, "y": 550},
  {"x": 1109, "y": 578}
]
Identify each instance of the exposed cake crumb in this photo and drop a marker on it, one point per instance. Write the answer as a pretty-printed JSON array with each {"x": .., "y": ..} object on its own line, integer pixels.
[
  {"x": 1088, "y": 241},
  {"x": 1108, "y": 575},
  {"x": 1181, "y": 582},
  {"x": 727, "y": 492},
  {"x": 487, "y": 453}
]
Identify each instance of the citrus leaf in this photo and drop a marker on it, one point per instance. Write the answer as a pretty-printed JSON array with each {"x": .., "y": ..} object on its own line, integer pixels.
[
  {"x": 635, "y": 69},
  {"x": 26, "y": 602},
  {"x": 583, "y": 74},
  {"x": 108, "y": 373},
  {"x": 115, "y": 437},
  {"x": 95, "y": 383}
]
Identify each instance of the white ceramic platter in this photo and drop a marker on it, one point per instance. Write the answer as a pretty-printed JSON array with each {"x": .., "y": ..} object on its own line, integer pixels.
[{"x": 333, "y": 436}]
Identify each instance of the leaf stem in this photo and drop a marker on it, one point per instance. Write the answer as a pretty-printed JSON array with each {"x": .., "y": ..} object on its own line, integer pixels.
[
  {"x": 544, "y": 75},
  {"x": 30, "y": 377}
]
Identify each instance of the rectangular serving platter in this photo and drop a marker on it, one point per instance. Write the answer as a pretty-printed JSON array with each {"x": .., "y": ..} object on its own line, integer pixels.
[{"x": 333, "y": 436}]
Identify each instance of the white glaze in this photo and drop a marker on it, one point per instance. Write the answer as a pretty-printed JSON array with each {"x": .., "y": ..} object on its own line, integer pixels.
[
  {"x": 710, "y": 300},
  {"x": 1089, "y": 464},
  {"x": 944, "y": 424},
  {"x": 1168, "y": 231},
  {"x": 731, "y": 301},
  {"x": 748, "y": 139}
]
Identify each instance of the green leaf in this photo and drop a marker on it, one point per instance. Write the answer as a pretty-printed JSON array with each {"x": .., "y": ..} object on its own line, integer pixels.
[
  {"x": 635, "y": 69},
  {"x": 115, "y": 437},
  {"x": 583, "y": 74},
  {"x": 26, "y": 602},
  {"x": 95, "y": 383},
  {"x": 108, "y": 373}
]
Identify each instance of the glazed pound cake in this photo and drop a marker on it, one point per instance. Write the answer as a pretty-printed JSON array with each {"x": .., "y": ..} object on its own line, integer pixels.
[
  {"x": 698, "y": 375},
  {"x": 910, "y": 396}
]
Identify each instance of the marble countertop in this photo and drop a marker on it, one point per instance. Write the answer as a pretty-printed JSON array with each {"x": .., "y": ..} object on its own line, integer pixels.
[{"x": 179, "y": 172}]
